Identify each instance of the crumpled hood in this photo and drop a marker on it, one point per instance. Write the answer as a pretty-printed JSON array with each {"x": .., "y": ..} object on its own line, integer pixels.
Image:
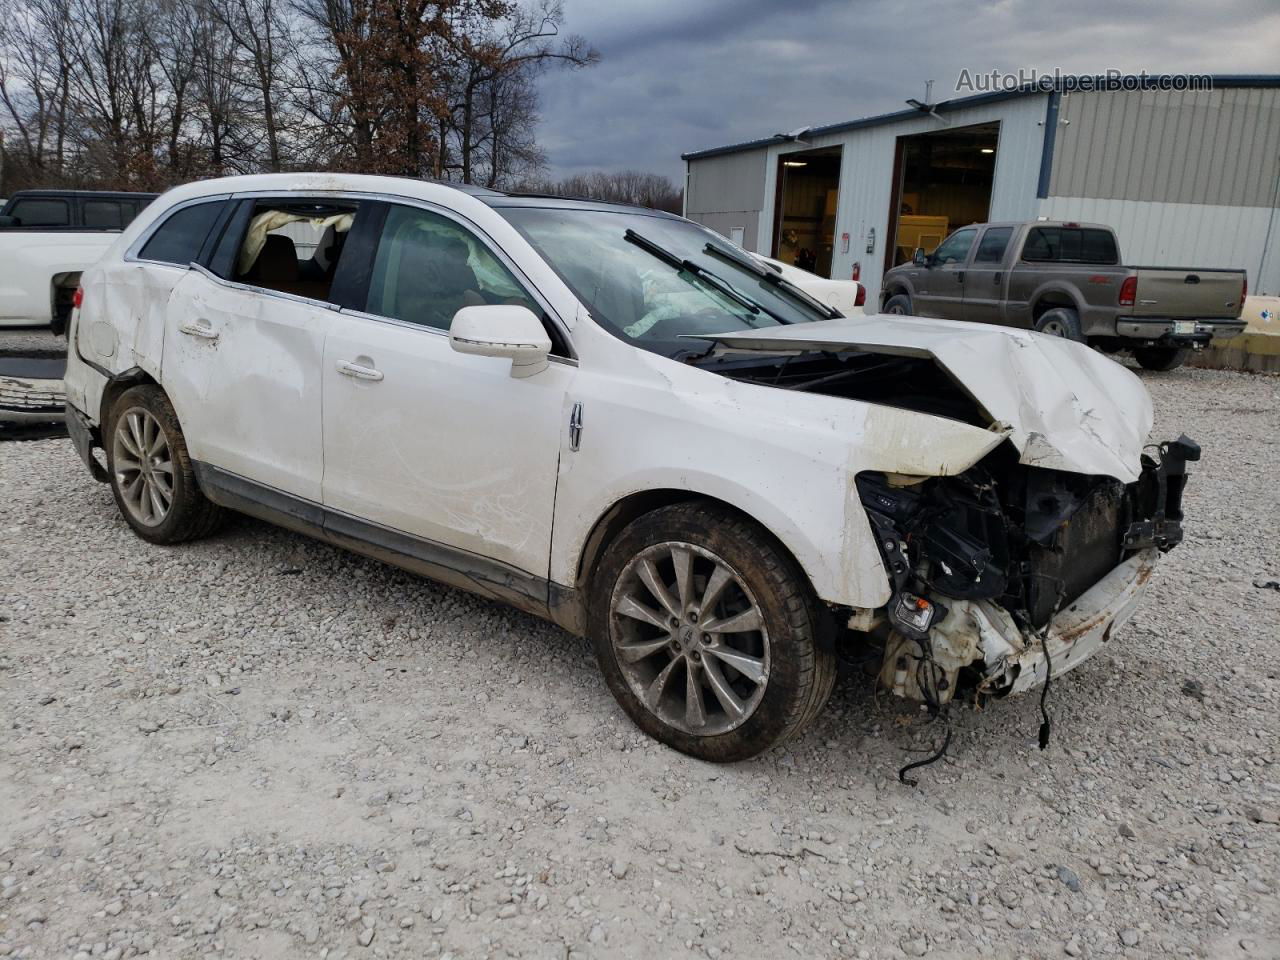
[{"x": 1068, "y": 407}]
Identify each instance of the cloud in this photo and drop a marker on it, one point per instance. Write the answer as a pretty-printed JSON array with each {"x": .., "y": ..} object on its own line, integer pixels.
[{"x": 679, "y": 75}]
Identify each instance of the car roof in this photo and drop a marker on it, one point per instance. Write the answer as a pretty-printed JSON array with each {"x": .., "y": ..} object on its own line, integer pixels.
[{"x": 551, "y": 201}]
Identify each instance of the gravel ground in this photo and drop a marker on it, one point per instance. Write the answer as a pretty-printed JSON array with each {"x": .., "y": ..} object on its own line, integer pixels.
[{"x": 259, "y": 746}]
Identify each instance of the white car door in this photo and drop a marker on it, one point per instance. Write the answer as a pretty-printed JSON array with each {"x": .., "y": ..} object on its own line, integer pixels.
[
  {"x": 243, "y": 360},
  {"x": 446, "y": 448}
]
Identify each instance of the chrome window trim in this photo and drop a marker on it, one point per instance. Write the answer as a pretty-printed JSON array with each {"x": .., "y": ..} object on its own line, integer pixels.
[
  {"x": 426, "y": 328},
  {"x": 250, "y": 288},
  {"x": 132, "y": 255}
]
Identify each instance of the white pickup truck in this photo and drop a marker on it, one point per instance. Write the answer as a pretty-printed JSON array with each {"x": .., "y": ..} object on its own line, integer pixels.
[{"x": 47, "y": 237}]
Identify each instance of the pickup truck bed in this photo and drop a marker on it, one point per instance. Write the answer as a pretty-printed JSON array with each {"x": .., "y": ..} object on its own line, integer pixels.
[
  {"x": 1067, "y": 279},
  {"x": 47, "y": 238}
]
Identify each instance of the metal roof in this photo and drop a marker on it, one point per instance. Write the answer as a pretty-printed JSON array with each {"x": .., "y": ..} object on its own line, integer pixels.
[{"x": 1219, "y": 81}]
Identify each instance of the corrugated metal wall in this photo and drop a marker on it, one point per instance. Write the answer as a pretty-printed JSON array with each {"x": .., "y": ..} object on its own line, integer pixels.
[
  {"x": 728, "y": 192},
  {"x": 1185, "y": 178},
  {"x": 1219, "y": 147}
]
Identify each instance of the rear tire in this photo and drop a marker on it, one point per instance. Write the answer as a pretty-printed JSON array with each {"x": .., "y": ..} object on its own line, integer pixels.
[
  {"x": 152, "y": 478},
  {"x": 1160, "y": 358},
  {"x": 1060, "y": 322},
  {"x": 899, "y": 304},
  {"x": 679, "y": 684}
]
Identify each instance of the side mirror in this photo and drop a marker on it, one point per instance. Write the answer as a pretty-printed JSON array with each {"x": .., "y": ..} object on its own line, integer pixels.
[
  {"x": 502, "y": 330},
  {"x": 920, "y": 258},
  {"x": 9, "y": 222}
]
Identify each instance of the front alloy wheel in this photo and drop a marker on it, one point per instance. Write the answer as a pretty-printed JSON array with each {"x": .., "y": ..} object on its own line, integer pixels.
[
  {"x": 689, "y": 638},
  {"x": 143, "y": 466},
  {"x": 709, "y": 633}
]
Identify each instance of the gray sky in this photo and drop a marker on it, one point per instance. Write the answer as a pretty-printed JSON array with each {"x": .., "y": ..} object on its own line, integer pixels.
[{"x": 679, "y": 75}]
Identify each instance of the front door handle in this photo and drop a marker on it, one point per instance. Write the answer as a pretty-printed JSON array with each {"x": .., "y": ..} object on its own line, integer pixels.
[
  {"x": 996, "y": 278},
  {"x": 198, "y": 328},
  {"x": 359, "y": 371}
]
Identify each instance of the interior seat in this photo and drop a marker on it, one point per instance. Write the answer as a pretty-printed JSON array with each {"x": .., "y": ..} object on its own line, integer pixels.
[{"x": 276, "y": 268}]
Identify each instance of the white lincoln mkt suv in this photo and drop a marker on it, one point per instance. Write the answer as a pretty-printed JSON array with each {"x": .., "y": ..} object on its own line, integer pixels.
[{"x": 613, "y": 418}]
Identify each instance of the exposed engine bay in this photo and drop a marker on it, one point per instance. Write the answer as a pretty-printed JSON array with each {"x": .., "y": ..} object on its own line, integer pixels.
[
  {"x": 993, "y": 567},
  {"x": 983, "y": 559}
]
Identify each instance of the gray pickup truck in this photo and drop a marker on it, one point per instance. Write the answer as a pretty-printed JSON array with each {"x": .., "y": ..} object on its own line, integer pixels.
[{"x": 1067, "y": 279}]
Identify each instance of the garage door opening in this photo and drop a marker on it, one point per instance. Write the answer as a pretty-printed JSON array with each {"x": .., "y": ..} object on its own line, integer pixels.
[
  {"x": 942, "y": 181},
  {"x": 804, "y": 227}
]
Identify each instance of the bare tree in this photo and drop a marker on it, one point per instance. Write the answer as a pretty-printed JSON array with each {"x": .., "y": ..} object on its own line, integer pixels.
[
  {"x": 263, "y": 39},
  {"x": 625, "y": 186},
  {"x": 146, "y": 93},
  {"x": 497, "y": 64},
  {"x": 35, "y": 79}
]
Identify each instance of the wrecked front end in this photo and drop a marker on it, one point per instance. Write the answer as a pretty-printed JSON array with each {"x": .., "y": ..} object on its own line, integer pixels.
[
  {"x": 1015, "y": 564},
  {"x": 1007, "y": 573}
]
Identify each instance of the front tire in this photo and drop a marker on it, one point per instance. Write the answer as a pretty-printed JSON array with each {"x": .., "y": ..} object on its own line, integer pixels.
[
  {"x": 1160, "y": 358},
  {"x": 898, "y": 305},
  {"x": 152, "y": 477},
  {"x": 709, "y": 634}
]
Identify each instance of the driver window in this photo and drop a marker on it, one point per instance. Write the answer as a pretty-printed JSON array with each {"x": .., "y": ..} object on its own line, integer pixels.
[
  {"x": 427, "y": 268},
  {"x": 955, "y": 248}
]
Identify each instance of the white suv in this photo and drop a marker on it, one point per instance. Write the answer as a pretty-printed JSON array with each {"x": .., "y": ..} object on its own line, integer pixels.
[{"x": 613, "y": 418}]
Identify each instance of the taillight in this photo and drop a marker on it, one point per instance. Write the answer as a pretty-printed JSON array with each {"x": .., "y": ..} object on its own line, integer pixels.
[
  {"x": 860, "y": 298},
  {"x": 1128, "y": 291},
  {"x": 77, "y": 298},
  {"x": 1244, "y": 290},
  {"x": 857, "y": 271}
]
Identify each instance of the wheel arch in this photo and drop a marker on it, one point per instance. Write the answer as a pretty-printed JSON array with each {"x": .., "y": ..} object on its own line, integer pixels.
[
  {"x": 570, "y": 607},
  {"x": 1052, "y": 298},
  {"x": 118, "y": 384},
  {"x": 895, "y": 287}
]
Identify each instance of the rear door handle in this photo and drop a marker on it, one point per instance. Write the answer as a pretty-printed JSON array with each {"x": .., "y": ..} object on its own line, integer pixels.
[
  {"x": 198, "y": 328},
  {"x": 358, "y": 371}
]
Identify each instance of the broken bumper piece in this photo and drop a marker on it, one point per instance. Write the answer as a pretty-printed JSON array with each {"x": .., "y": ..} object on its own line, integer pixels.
[
  {"x": 981, "y": 634},
  {"x": 1016, "y": 663}
]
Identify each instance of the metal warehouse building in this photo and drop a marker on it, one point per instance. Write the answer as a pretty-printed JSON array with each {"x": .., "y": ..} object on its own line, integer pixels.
[{"x": 1186, "y": 177}]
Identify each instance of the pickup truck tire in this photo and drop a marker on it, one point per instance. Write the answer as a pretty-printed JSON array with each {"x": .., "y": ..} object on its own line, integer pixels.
[
  {"x": 708, "y": 633},
  {"x": 152, "y": 478},
  {"x": 1061, "y": 322},
  {"x": 899, "y": 304},
  {"x": 1160, "y": 358}
]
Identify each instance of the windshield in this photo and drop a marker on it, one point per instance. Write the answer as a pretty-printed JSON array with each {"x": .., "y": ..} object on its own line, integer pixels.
[{"x": 628, "y": 269}]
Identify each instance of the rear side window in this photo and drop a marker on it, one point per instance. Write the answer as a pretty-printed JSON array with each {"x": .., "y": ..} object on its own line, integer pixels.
[
  {"x": 41, "y": 213},
  {"x": 180, "y": 238},
  {"x": 992, "y": 245},
  {"x": 106, "y": 214},
  {"x": 1070, "y": 245},
  {"x": 291, "y": 245}
]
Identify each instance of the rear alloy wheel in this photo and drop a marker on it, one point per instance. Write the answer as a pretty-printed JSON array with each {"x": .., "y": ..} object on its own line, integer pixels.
[
  {"x": 709, "y": 634},
  {"x": 1060, "y": 322},
  {"x": 151, "y": 472},
  {"x": 1161, "y": 358},
  {"x": 143, "y": 466}
]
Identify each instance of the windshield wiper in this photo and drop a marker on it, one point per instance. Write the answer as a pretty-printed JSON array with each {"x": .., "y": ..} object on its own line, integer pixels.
[
  {"x": 772, "y": 275},
  {"x": 702, "y": 273}
]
